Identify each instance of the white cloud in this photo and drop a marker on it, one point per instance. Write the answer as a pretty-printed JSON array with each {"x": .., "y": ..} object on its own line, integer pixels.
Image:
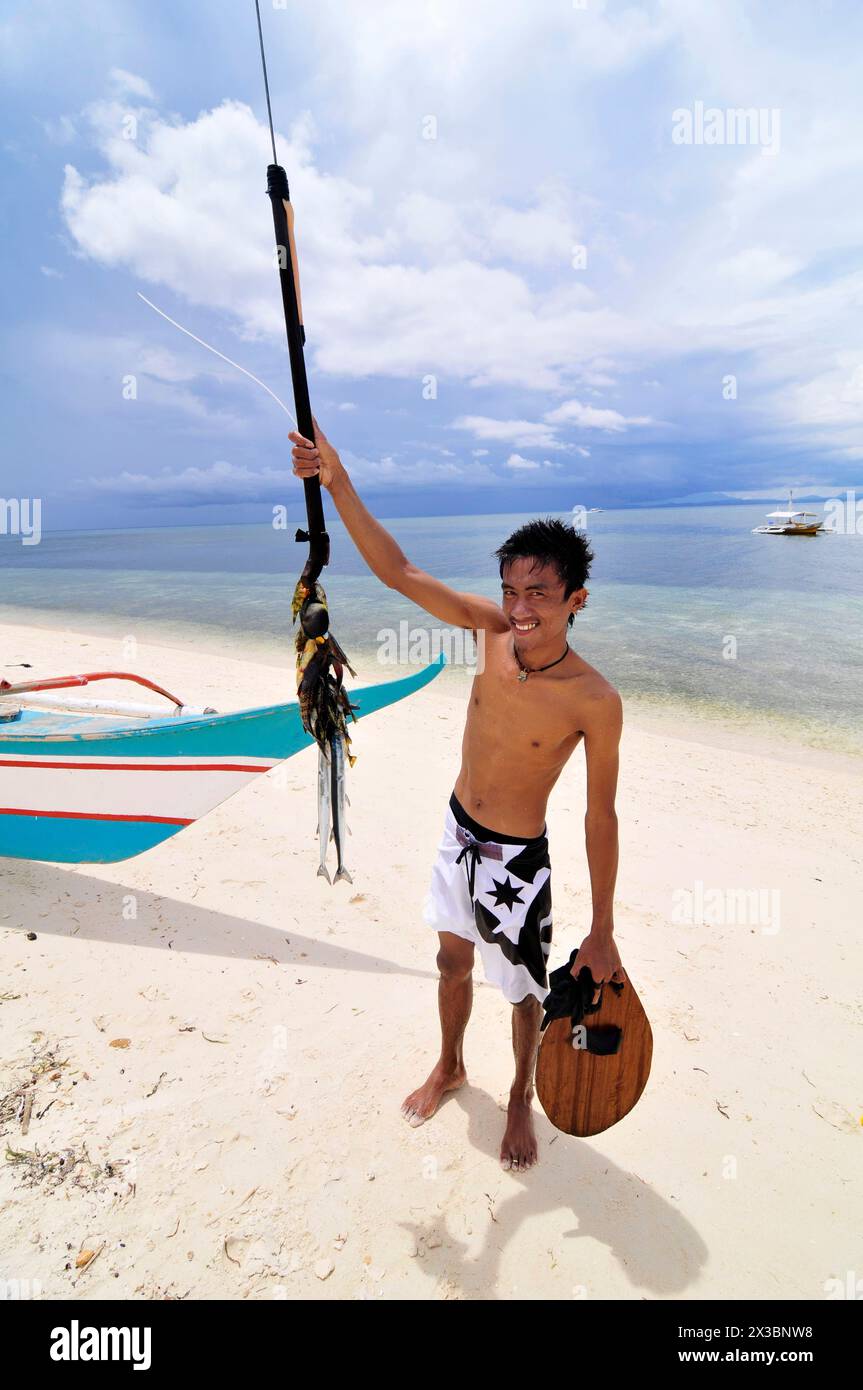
[
  {"x": 388, "y": 73},
  {"x": 595, "y": 379},
  {"x": 374, "y": 313},
  {"x": 834, "y": 396},
  {"x": 543, "y": 435},
  {"x": 95, "y": 373},
  {"x": 757, "y": 268},
  {"x": 518, "y": 463},
  {"x": 589, "y": 417},
  {"x": 390, "y": 472},
  {"x": 447, "y": 229},
  {"x": 533, "y": 236},
  {"x": 220, "y": 483},
  {"x": 521, "y": 433},
  {"x": 61, "y": 131},
  {"x": 129, "y": 82}
]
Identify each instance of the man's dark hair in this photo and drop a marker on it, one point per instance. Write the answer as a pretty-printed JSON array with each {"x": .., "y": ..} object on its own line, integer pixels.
[{"x": 550, "y": 542}]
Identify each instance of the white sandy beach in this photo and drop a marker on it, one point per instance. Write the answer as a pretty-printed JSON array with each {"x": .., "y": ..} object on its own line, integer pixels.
[{"x": 248, "y": 1143}]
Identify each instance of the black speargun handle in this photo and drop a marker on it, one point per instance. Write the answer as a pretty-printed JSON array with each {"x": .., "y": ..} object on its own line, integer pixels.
[{"x": 319, "y": 541}]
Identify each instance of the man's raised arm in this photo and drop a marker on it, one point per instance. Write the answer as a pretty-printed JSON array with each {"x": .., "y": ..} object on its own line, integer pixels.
[{"x": 381, "y": 552}]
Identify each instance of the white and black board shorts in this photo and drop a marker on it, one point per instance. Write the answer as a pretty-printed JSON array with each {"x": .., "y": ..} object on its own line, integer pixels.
[{"x": 494, "y": 890}]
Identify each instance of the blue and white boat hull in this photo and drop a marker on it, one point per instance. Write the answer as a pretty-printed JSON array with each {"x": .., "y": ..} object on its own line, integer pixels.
[{"x": 97, "y": 790}]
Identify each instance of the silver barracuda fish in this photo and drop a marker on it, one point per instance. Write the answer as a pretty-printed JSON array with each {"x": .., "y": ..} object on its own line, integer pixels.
[{"x": 337, "y": 804}]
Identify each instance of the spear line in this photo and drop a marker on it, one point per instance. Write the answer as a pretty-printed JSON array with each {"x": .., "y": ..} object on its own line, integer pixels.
[{"x": 230, "y": 361}]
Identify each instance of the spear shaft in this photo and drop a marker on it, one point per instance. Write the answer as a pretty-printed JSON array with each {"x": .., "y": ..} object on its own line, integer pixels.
[{"x": 319, "y": 541}]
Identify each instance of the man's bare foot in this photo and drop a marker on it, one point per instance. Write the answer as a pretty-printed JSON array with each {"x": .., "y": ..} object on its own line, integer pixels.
[
  {"x": 518, "y": 1150},
  {"x": 422, "y": 1103}
]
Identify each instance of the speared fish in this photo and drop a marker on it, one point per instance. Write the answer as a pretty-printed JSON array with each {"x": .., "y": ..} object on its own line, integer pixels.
[
  {"x": 324, "y": 801},
  {"x": 324, "y": 709},
  {"x": 332, "y": 798},
  {"x": 321, "y": 663},
  {"x": 337, "y": 801}
]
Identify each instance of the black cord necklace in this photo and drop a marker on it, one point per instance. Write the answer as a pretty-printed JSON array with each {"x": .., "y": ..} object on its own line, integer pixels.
[{"x": 525, "y": 671}]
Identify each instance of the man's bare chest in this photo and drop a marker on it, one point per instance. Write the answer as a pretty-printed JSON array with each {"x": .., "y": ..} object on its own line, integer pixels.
[{"x": 535, "y": 711}]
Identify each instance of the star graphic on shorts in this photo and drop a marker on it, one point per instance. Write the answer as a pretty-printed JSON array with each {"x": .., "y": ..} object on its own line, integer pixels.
[{"x": 505, "y": 893}]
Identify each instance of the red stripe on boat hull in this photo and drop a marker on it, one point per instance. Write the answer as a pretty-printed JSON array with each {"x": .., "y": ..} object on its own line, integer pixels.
[
  {"x": 84, "y": 815},
  {"x": 89, "y": 766}
]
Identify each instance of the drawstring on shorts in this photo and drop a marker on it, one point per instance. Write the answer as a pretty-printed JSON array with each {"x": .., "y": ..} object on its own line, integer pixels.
[{"x": 473, "y": 851}]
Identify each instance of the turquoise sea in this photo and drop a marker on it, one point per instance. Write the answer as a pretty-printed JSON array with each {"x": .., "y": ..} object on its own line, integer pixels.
[{"x": 673, "y": 590}]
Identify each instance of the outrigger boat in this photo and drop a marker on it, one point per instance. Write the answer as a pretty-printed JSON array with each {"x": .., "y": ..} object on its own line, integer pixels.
[
  {"x": 790, "y": 522},
  {"x": 99, "y": 781}
]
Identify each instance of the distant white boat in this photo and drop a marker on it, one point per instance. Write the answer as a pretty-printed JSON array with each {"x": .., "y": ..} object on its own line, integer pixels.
[
  {"x": 791, "y": 522},
  {"x": 594, "y": 509}
]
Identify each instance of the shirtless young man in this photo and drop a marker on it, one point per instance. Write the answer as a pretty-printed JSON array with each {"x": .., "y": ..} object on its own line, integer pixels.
[{"x": 491, "y": 888}]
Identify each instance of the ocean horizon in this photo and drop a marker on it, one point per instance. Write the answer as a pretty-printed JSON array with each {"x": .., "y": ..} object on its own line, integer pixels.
[{"x": 688, "y": 609}]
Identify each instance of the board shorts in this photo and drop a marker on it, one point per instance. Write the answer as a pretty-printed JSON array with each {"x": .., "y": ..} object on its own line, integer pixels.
[{"x": 494, "y": 890}]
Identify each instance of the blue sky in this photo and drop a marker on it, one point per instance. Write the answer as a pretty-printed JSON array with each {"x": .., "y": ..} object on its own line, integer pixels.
[{"x": 610, "y": 313}]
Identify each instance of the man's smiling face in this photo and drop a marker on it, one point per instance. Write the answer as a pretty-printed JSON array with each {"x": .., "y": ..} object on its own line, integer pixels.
[{"x": 534, "y": 604}]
